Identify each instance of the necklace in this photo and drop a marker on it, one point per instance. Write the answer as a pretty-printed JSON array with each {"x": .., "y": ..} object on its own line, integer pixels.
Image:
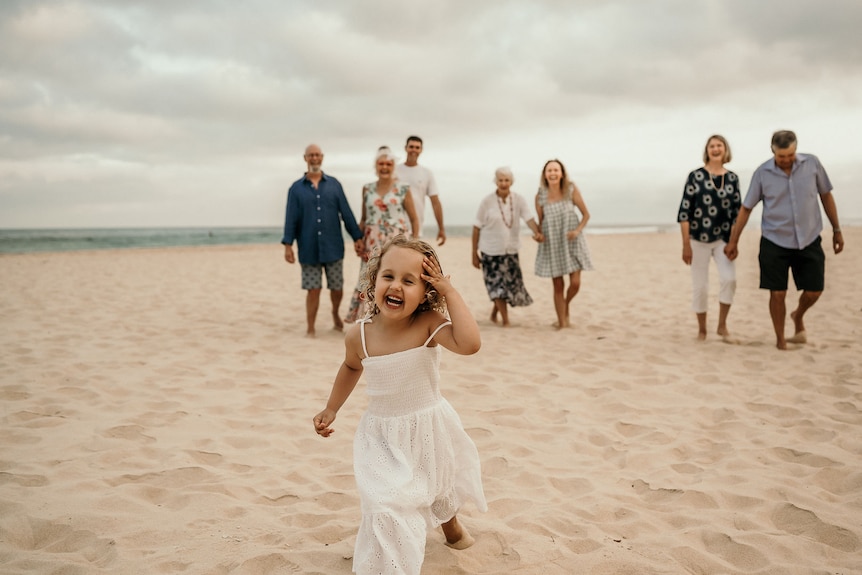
[
  {"x": 503, "y": 215},
  {"x": 711, "y": 175}
]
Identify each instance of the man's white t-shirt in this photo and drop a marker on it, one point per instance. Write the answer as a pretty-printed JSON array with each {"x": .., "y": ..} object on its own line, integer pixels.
[{"x": 422, "y": 184}]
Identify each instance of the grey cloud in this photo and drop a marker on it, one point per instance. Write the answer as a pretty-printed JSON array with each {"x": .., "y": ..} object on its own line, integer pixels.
[{"x": 163, "y": 84}]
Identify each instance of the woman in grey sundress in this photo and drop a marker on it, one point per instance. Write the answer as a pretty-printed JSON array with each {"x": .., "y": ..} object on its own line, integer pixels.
[{"x": 564, "y": 251}]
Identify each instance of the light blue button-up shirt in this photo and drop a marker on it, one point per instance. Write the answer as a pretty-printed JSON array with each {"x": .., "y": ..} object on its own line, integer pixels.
[{"x": 791, "y": 204}]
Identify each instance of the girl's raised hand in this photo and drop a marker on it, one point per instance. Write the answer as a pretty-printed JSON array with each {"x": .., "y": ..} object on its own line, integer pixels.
[
  {"x": 322, "y": 421},
  {"x": 434, "y": 276}
]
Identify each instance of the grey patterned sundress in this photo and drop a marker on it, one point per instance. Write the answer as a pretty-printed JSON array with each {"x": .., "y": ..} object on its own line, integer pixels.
[{"x": 558, "y": 256}]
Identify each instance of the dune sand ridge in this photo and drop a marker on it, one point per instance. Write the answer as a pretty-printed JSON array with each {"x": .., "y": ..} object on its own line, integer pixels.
[{"x": 155, "y": 417}]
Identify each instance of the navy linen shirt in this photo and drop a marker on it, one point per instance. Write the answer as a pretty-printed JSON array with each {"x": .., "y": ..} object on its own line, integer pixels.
[
  {"x": 313, "y": 218},
  {"x": 791, "y": 212}
]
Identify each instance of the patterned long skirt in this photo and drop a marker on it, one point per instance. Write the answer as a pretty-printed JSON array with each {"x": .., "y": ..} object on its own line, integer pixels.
[{"x": 503, "y": 279}]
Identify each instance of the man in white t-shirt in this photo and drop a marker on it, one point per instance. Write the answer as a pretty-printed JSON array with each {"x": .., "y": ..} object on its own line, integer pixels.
[{"x": 422, "y": 185}]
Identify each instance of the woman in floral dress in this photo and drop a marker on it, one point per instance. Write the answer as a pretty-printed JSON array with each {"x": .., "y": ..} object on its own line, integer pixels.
[{"x": 387, "y": 210}]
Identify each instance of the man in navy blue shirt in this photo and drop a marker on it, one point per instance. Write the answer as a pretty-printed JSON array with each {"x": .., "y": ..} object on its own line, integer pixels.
[
  {"x": 789, "y": 185},
  {"x": 316, "y": 208}
]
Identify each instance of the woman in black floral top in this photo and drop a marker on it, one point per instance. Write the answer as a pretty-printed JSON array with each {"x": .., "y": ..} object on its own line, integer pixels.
[{"x": 709, "y": 206}]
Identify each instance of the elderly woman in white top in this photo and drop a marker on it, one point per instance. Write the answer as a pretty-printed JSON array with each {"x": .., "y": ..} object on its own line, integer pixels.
[{"x": 496, "y": 241}]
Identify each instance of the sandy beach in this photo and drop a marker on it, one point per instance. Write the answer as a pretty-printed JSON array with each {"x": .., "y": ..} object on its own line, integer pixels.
[{"x": 156, "y": 405}]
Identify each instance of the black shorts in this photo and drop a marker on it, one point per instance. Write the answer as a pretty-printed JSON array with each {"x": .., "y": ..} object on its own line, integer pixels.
[{"x": 808, "y": 265}]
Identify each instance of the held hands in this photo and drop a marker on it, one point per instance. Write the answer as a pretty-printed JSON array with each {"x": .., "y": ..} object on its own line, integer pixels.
[
  {"x": 731, "y": 251},
  {"x": 359, "y": 247},
  {"x": 539, "y": 237},
  {"x": 322, "y": 421},
  {"x": 434, "y": 276}
]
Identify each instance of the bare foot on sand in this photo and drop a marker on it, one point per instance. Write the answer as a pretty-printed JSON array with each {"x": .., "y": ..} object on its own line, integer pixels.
[
  {"x": 337, "y": 324},
  {"x": 457, "y": 537},
  {"x": 799, "y": 335},
  {"x": 725, "y": 336}
]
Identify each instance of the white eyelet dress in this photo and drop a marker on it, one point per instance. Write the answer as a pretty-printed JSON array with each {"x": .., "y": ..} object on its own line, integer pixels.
[{"x": 415, "y": 465}]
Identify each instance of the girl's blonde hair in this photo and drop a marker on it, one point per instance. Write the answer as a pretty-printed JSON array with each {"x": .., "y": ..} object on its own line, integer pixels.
[{"x": 433, "y": 300}]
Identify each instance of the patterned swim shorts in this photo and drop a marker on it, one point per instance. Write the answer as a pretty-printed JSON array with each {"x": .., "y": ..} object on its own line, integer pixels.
[{"x": 312, "y": 275}]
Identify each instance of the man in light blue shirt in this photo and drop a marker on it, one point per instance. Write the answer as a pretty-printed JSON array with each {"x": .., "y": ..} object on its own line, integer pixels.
[{"x": 789, "y": 185}]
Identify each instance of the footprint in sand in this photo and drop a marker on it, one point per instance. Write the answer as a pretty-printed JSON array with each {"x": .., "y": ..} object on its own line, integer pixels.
[
  {"x": 737, "y": 554},
  {"x": 76, "y": 545},
  {"x": 797, "y": 521}
]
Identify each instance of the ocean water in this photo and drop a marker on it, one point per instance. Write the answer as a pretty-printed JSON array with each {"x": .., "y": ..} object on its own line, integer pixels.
[{"x": 59, "y": 240}]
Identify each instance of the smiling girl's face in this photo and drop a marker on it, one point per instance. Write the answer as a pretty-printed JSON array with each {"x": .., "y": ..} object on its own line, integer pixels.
[{"x": 399, "y": 288}]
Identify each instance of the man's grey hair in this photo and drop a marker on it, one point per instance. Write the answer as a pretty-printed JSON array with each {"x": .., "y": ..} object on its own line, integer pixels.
[{"x": 783, "y": 139}]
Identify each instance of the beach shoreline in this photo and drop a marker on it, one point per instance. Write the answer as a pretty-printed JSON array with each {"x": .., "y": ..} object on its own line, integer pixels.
[{"x": 157, "y": 403}]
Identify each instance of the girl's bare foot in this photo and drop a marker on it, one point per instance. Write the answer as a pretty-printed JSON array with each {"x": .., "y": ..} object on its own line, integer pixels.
[
  {"x": 457, "y": 536},
  {"x": 494, "y": 314}
]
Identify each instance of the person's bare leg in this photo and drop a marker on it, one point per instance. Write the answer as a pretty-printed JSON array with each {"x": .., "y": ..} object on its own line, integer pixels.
[
  {"x": 723, "y": 311},
  {"x": 494, "y": 311},
  {"x": 456, "y": 536},
  {"x": 574, "y": 288},
  {"x": 312, "y": 303},
  {"x": 559, "y": 303},
  {"x": 777, "y": 311},
  {"x": 701, "y": 326},
  {"x": 335, "y": 297},
  {"x": 500, "y": 306},
  {"x": 806, "y": 300}
]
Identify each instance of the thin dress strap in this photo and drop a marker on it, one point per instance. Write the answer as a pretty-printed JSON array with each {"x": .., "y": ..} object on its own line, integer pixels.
[
  {"x": 430, "y": 337},
  {"x": 362, "y": 335}
]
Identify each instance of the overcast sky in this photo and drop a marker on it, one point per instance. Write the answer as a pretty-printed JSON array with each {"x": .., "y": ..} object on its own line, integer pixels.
[{"x": 169, "y": 113}]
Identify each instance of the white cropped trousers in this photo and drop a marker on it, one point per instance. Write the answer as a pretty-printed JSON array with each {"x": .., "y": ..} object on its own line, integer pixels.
[{"x": 701, "y": 253}]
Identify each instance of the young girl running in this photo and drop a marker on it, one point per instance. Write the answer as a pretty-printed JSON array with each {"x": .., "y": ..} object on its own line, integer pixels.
[{"x": 415, "y": 465}]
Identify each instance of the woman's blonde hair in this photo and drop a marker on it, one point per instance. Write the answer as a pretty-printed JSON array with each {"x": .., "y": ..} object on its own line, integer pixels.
[
  {"x": 384, "y": 152},
  {"x": 433, "y": 300},
  {"x": 727, "y": 155}
]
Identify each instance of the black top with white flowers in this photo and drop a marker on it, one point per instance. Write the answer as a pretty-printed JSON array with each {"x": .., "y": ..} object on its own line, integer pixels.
[{"x": 710, "y": 205}]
